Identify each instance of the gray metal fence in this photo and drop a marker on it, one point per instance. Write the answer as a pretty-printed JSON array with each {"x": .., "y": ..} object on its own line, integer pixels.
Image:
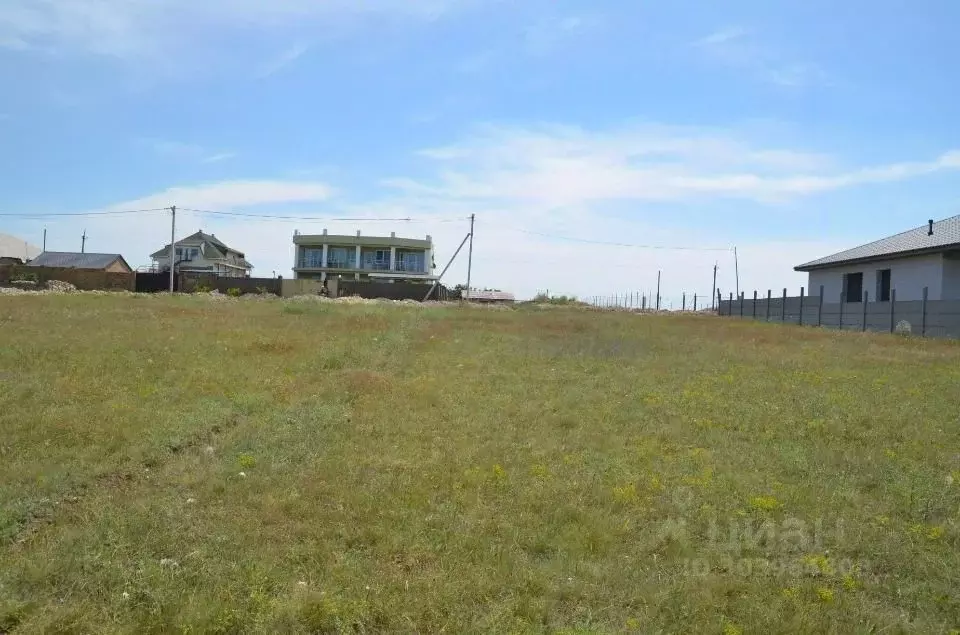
[{"x": 928, "y": 318}]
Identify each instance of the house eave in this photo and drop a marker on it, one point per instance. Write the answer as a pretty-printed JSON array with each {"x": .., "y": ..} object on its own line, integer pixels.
[{"x": 807, "y": 267}]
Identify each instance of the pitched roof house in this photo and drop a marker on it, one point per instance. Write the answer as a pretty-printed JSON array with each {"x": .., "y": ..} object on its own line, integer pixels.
[
  {"x": 924, "y": 257},
  {"x": 72, "y": 260},
  {"x": 204, "y": 253}
]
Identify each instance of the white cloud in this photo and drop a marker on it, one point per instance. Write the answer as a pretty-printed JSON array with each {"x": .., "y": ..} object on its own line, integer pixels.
[
  {"x": 147, "y": 28},
  {"x": 228, "y": 195},
  {"x": 722, "y": 36},
  {"x": 283, "y": 60},
  {"x": 743, "y": 50},
  {"x": 555, "y": 166},
  {"x": 185, "y": 151}
]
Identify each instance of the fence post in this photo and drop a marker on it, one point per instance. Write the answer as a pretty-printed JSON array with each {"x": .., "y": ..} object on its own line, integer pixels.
[
  {"x": 769, "y": 296},
  {"x": 719, "y": 302},
  {"x": 866, "y": 300},
  {"x": 802, "y": 289},
  {"x": 893, "y": 304},
  {"x": 730, "y": 312},
  {"x": 841, "y": 310},
  {"x": 820, "y": 308},
  {"x": 754, "y": 304},
  {"x": 783, "y": 306},
  {"x": 684, "y": 306},
  {"x": 741, "y": 302},
  {"x": 694, "y": 302},
  {"x": 923, "y": 310}
]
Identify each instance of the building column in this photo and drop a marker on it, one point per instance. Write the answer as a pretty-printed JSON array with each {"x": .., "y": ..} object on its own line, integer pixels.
[
  {"x": 393, "y": 259},
  {"x": 323, "y": 261},
  {"x": 428, "y": 261},
  {"x": 296, "y": 260}
]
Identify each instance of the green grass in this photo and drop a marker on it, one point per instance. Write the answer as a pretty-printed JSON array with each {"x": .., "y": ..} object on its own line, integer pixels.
[{"x": 197, "y": 465}]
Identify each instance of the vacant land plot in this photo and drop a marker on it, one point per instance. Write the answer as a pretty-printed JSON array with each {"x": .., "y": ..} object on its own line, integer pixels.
[{"x": 183, "y": 464}]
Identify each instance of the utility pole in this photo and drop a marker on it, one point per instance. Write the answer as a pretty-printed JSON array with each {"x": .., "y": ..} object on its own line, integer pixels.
[
  {"x": 45, "y": 238},
  {"x": 713, "y": 295},
  {"x": 83, "y": 242},
  {"x": 173, "y": 240},
  {"x": 658, "y": 290},
  {"x": 470, "y": 257},
  {"x": 736, "y": 265}
]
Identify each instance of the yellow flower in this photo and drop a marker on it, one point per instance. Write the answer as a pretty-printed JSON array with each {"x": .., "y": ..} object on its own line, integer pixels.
[
  {"x": 633, "y": 624},
  {"x": 625, "y": 494},
  {"x": 765, "y": 503},
  {"x": 499, "y": 473},
  {"x": 890, "y": 453},
  {"x": 850, "y": 583},
  {"x": 732, "y": 629},
  {"x": 825, "y": 595},
  {"x": 790, "y": 592},
  {"x": 820, "y": 563},
  {"x": 540, "y": 471},
  {"x": 935, "y": 532}
]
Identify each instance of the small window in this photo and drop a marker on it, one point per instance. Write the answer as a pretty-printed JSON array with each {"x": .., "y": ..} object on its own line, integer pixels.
[
  {"x": 853, "y": 287},
  {"x": 883, "y": 285}
]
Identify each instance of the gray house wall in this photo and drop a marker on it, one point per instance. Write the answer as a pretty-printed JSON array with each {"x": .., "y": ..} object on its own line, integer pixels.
[{"x": 907, "y": 275}]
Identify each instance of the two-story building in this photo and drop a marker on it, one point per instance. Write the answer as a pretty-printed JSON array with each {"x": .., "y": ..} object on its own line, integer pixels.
[
  {"x": 203, "y": 253},
  {"x": 382, "y": 258}
]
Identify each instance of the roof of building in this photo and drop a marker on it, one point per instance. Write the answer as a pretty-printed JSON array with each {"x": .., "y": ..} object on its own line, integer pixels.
[
  {"x": 13, "y": 247},
  {"x": 914, "y": 242},
  {"x": 75, "y": 260},
  {"x": 490, "y": 296},
  {"x": 364, "y": 241},
  {"x": 214, "y": 248}
]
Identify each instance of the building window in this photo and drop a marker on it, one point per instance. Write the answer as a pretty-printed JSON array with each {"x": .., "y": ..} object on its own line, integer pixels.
[
  {"x": 312, "y": 258},
  {"x": 883, "y": 285},
  {"x": 339, "y": 258},
  {"x": 853, "y": 287}
]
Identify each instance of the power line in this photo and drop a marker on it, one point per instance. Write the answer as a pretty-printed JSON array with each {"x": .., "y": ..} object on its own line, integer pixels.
[
  {"x": 614, "y": 244},
  {"x": 320, "y": 218},
  {"x": 85, "y": 214}
]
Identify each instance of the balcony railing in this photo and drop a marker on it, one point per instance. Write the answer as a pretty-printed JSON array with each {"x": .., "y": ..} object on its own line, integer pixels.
[
  {"x": 376, "y": 265},
  {"x": 410, "y": 266}
]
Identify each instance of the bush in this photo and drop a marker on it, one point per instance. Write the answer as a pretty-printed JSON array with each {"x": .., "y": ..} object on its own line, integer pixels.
[
  {"x": 543, "y": 298},
  {"x": 234, "y": 292},
  {"x": 202, "y": 288}
]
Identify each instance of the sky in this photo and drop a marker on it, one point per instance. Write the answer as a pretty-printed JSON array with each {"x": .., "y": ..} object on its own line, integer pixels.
[{"x": 596, "y": 143}]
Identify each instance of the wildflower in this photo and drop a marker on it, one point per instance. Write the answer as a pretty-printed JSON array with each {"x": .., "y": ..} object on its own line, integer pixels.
[
  {"x": 850, "y": 583},
  {"x": 499, "y": 473},
  {"x": 625, "y": 494},
  {"x": 765, "y": 503},
  {"x": 191, "y": 501},
  {"x": 890, "y": 454},
  {"x": 246, "y": 461},
  {"x": 169, "y": 562},
  {"x": 825, "y": 595},
  {"x": 125, "y": 595},
  {"x": 732, "y": 629},
  {"x": 242, "y": 474},
  {"x": 790, "y": 592},
  {"x": 540, "y": 471},
  {"x": 935, "y": 532},
  {"x": 633, "y": 624},
  {"x": 820, "y": 564}
]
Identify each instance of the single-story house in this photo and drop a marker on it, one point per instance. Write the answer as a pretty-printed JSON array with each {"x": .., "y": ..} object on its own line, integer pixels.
[
  {"x": 924, "y": 257},
  {"x": 72, "y": 260}
]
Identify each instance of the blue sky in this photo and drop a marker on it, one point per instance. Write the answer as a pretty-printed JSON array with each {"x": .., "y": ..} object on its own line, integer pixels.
[{"x": 789, "y": 129}]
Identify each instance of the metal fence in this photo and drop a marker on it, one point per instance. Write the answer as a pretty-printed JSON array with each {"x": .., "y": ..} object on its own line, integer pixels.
[{"x": 928, "y": 318}]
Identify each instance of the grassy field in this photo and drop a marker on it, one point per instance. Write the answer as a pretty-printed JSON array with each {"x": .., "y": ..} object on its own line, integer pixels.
[{"x": 191, "y": 465}]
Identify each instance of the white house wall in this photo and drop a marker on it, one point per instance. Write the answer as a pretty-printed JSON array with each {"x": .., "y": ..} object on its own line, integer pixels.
[
  {"x": 907, "y": 275},
  {"x": 951, "y": 278}
]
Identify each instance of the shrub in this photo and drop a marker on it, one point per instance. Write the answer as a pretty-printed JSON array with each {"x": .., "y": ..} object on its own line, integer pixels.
[
  {"x": 234, "y": 292},
  {"x": 202, "y": 288}
]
